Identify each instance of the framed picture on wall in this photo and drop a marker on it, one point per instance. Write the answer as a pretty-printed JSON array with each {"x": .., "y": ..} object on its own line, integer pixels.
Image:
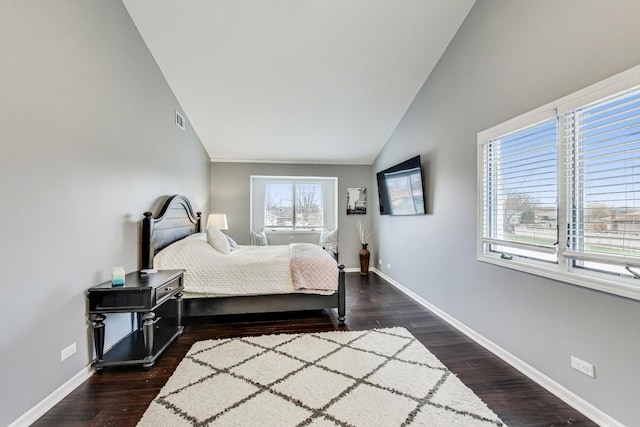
[{"x": 356, "y": 201}]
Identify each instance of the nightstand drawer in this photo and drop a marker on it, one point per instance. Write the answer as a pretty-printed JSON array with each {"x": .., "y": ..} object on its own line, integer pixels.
[
  {"x": 169, "y": 289},
  {"x": 104, "y": 301},
  {"x": 140, "y": 292}
]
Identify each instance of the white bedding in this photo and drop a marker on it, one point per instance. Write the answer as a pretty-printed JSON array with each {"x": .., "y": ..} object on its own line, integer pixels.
[{"x": 247, "y": 270}]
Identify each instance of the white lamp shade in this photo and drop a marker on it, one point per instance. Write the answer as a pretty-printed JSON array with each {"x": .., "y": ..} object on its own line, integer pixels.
[{"x": 218, "y": 221}]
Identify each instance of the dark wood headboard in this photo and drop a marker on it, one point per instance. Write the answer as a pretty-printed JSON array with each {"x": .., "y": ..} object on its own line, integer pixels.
[{"x": 175, "y": 221}]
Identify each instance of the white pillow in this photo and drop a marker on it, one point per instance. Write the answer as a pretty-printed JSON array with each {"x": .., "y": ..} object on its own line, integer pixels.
[
  {"x": 196, "y": 236},
  {"x": 259, "y": 239},
  {"x": 329, "y": 240},
  {"x": 218, "y": 240}
]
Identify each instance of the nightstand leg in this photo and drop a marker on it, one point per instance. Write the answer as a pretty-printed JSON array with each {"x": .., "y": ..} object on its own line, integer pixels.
[
  {"x": 98, "y": 335},
  {"x": 342, "y": 297},
  {"x": 147, "y": 332},
  {"x": 179, "y": 311}
]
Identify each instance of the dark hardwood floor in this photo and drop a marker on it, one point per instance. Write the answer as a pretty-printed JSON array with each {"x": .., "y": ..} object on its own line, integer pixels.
[{"x": 119, "y": 397}]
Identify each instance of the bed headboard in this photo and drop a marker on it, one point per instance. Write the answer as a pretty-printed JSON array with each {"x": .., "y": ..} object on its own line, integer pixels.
[{"x": 175, "y": 221}]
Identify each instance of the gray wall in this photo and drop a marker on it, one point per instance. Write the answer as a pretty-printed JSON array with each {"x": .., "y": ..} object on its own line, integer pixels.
[
  {"x": 230, "y": 189},
  {"x": 87, "y": 144},
  {"x": 510, "y": 57}
]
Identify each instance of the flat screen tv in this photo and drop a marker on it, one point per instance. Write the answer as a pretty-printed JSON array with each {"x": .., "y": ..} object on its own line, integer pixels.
[{"x": 400, "y": 190}]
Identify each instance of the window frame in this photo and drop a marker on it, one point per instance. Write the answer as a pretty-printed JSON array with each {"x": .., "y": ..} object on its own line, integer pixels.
[
  {"x": 257, "y": 201},
  {"x": 496, "y": 192},
  {"x": 563, "y": 270},
  {"x": 294, "y": 194}
]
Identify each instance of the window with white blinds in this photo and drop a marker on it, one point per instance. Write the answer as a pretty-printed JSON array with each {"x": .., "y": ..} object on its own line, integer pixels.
[
  {"x": 520, "y": 197},
  {"x": 603, "y": 160},
  {"x": 559, "y": 193}
]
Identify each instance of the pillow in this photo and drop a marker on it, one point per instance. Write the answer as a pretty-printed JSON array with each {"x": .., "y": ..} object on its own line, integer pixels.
[
  {"x": 218, "y": 240},
  {"x": 259, "y": 239},
  {"x": 232, "y": 243},
  {"x": 329, "y": 240},
  {"x": 196, "y": 236}
]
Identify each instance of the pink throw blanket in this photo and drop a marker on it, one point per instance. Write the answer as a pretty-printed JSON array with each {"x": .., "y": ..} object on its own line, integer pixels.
[{"x": 312, "y": 268}]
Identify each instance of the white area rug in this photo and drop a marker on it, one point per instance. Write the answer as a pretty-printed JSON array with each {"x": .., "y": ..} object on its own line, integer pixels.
[{"x": 380, "y": 377}]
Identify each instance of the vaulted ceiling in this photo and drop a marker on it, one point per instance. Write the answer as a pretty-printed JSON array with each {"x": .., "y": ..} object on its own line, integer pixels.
[{"x": 296, "y": 81}]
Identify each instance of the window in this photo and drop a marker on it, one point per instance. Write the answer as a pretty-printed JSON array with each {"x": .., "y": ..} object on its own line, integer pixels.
[
  {"x": 603, "y": 161},
  {"x": 520, "y": 192},
  {"x": 559, "y": 189},
  {"x": 293, "y": 203}
]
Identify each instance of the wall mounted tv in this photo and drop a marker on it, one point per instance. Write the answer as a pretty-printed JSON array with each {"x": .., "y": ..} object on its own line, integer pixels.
[{"x": 400, "y": 189}]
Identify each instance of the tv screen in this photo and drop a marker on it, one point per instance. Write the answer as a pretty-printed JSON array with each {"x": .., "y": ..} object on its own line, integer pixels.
[{"x": 400, "y": 189}]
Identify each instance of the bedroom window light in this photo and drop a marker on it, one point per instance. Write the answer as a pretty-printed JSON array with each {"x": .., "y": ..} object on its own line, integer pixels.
[
  {"x": 293, "y": 203},
  {"x": 308, "y": 205},
  {"x": 520, "y": 192},
  {"x": 559, "y": 189},
  {"x": 279, "y": 199},
  {"x": 603, "y": 164}
]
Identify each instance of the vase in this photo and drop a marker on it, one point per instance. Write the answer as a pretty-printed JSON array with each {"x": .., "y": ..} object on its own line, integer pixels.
[{"x": 364, "y": 259}]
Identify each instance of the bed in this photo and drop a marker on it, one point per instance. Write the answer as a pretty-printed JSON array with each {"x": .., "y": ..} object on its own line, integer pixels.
[{"x": 176, "y": 223}]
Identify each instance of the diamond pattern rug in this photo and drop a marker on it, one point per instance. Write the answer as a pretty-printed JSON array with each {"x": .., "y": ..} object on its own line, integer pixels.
[{"x": 379, "y": 377}]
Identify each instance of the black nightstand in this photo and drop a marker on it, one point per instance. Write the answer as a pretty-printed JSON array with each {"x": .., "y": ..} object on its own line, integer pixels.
[{"x": 156, "y": 298}]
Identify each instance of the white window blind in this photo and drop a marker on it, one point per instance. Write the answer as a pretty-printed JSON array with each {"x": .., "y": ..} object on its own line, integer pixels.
[
  {"x": 603, "y": 183},
  {"x": 520, "y": 192},
  {"x": 584, "y": 163}
]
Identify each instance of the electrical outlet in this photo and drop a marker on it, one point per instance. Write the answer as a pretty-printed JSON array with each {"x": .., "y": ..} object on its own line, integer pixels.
[
  {"x": 389, "y": 266},
  {"x": 582, "y": 366},
  {"x": 379, "y": 262},
  {"x": 67, "y": 352}
]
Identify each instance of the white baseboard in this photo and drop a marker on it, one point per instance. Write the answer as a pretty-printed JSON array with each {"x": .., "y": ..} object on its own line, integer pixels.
[
  {"x": 567, "y": 396},
  {"x": 50, "y": 401}
]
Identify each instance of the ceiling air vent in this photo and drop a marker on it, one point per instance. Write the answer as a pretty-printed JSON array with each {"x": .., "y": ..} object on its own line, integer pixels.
[{"x": 179, "y": 120}]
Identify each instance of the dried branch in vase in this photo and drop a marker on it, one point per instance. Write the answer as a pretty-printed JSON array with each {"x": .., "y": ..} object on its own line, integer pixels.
[{"x": 363, "y": 234}]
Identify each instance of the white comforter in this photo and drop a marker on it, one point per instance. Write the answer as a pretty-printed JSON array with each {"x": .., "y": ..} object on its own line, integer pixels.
[{"x": 247, "y": 270}]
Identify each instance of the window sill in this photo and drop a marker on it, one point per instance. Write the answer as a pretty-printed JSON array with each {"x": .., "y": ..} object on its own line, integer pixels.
[
  {"x": 267, "y": 232},
  {"x": 620, "y": 286}
]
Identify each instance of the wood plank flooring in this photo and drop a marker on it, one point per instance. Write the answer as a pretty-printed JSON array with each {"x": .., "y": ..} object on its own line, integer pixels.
[{"x": 119, "y": 397}]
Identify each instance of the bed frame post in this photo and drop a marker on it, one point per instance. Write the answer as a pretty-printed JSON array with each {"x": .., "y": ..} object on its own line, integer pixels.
[
  {"x": 147, "y": 231},
  {"x": 199, "y": 222},
  {"x": 342, "y": 301}
]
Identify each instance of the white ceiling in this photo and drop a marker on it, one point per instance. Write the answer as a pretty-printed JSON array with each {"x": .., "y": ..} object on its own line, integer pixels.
[{"x": 296, "y": 81}]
